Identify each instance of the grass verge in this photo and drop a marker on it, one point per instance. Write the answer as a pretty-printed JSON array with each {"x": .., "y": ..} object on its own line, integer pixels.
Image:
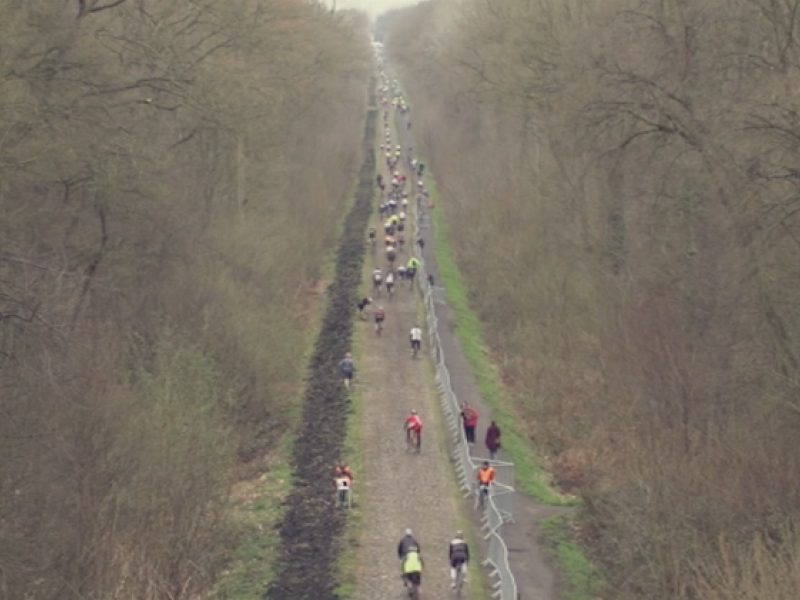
[
  {"x": 351, "y": 539},
  {"x": 531, "y": 478},
  {"x": 257, "y": 507},
  {"x": 583, "y": 578}
]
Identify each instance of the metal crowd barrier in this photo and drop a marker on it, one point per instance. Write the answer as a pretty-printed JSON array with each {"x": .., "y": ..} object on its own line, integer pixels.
[{"x": 504, "y": 587}]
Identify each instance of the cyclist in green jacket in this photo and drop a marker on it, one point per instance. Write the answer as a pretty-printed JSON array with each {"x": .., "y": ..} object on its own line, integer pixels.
[
  {"x": 411, "y": 269},
  {"x": 412, "y": 570}
]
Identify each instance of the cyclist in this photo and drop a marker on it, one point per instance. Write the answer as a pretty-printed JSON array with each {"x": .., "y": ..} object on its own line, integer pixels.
[
  {"x": 459, "y": 557},
  {"x": 390, "y": 283},
  {"x": 485, "y": 480},
  {"x": 343, "y": 480},
  {"x": 415, "y": 335},
  {"x": 401, "y": 272},
  {"x": 377, "y": 280},
  {"x": 391, "y": 255},
  {"x": 343, "y": 470},
  {"x": 343, "y": 486},
  {"x": 411, "y": 269},
  {"x": 372, "y": 234},
  {"x": 362, "y": 307},
  {"x": 408, "y": 541},
  {"x": 380, "y": 317},
  {"x": 412, "y": 571},
  {"x": 414, "y": 423},
  {"x": 347, "y": 368}
]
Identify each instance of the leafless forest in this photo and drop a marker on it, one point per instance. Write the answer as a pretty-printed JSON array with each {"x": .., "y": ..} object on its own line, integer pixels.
[
  {"x": 621, "y": 182},
  {"x": 172, "y": 173}
]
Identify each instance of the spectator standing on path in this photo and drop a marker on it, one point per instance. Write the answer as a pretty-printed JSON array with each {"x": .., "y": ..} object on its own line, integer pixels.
[
  {"x": 470, "y": 417},
  {"x": 493, "y": 440},
  {"x": 421, "y": 244}
]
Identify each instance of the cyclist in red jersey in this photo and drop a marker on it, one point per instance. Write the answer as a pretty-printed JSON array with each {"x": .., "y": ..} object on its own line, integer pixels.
[
  {"x": 414, "y": 423},
  {"x": 380, "y": 317}
]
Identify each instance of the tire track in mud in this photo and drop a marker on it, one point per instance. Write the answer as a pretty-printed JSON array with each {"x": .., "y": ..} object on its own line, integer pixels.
[{"x": 310, "y": 532}]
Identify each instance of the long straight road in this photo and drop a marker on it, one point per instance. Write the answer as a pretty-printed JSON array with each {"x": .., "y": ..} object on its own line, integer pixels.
[{"x": 401, "y": 489}]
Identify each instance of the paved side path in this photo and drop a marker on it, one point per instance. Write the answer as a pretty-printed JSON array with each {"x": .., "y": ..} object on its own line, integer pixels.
[
  {"x": 536, "y": 577},
  {"x": 400, "y": 489}
]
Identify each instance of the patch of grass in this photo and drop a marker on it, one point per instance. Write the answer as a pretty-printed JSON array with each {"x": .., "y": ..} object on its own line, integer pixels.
[
  {"x": 348, "y": 563},
  {"x": 584, "y": 581},
  {"x": 257, "y": 508},
  {"x": 531, "y": 478}
]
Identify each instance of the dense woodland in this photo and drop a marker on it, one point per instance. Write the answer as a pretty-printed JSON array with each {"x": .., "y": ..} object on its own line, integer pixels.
[
  {"x": 621, "y": 180},
  {"x": 172, "y": 175}
]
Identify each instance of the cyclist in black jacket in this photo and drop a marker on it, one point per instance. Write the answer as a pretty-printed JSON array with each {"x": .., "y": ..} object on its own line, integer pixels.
[
  {"x": 407, "y": 542},
  {"x": 459, "y": 557}
]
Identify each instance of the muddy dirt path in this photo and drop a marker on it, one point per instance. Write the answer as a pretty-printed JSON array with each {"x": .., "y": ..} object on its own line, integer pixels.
[{"x": 401, "y": 489}]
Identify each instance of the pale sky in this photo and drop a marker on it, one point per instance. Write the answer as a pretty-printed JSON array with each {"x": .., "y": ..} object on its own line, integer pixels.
[{"x": 375, "y": 7}]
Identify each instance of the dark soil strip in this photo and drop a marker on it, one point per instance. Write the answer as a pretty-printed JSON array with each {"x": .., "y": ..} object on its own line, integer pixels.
[{"x": 306, "y": 565}]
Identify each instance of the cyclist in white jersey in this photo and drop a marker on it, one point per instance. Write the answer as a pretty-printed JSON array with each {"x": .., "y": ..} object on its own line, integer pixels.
[{"x": 415, "y": 336}]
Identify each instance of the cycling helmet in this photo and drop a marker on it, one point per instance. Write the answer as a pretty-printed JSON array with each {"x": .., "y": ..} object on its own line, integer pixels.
[
  {"x": 459, "y": 535},
  {"x": 347, "y": 355},
  {"x": 409, "y": 532},
  {"x": 413, "y": 411}
]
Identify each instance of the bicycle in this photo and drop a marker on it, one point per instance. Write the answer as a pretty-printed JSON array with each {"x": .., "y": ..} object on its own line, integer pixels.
[
  {"x": 412, "y": 586},
  {"x": 483, "y": 495},
  {"x": 344, "y": 495},
  {"x": 413, "y": 440},
  {"x": 415, "y": 345},
  {"x": 460, "y": 578}
]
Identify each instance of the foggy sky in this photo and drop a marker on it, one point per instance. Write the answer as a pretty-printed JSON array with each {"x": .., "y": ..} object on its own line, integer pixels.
[{"x": 375, "y": 7}]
